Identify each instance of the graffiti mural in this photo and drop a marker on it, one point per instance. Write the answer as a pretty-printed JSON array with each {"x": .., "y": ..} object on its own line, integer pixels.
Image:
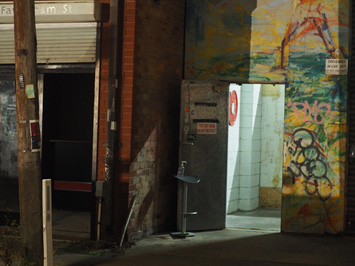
[
  {"x": 313, "y": 179},
  {"x": 307, "y": 18},
  {"x": 288, "y": 42},
  {"x": 310, "y": 163},
  {"x": 294, "y": 50},
  {"x": 297, "y": 45},
  {"x": 316, "y": 113},
  {"x": 218, "y": 39}
]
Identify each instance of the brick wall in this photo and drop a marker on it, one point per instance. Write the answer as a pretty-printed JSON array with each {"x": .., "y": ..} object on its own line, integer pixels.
[
  {"x": 103, "y": 96},
  {"x": 158, "y": 61},
  {"x": 151, "y": 65},
  {"x": 123, "y": 156},
  {"x": 111, "y": 229}
]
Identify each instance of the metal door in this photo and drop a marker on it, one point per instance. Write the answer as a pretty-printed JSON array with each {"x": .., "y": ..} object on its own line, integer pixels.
[{"x": 203, "y": 145}]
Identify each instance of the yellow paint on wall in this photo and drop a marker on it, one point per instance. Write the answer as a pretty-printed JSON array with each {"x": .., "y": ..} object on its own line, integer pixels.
[
  {"x": 275, "y": 181},
  {"x": 270, "y": 90}
]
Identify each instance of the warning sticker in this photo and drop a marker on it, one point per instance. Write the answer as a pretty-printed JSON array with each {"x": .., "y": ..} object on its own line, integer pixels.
[
  {"x": 336, "y": 67},
  {"x": 30, "y": 92},
  {"x": 35, "y": 136},
  {"x": 207, "y": 128}
]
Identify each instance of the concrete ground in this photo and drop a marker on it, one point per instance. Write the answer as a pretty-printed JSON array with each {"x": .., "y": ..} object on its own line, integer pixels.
[
  {"x": 252, "y": 238},
  {"x": 226, "y": 247},
  {"x": 76, "y": 225},
  {"x": 265, "y": 219},
  {"x": 71, "y": 225}
]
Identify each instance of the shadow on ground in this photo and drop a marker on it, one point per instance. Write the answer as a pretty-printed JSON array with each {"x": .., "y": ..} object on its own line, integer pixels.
[{"x": 226, "y": 247}]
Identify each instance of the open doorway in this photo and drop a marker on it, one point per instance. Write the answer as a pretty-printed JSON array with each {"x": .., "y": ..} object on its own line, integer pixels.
[
  {"x": 255, "y": 157},
  {"x": 238, "y": 157},
  {"x": 67, "y": 135}
]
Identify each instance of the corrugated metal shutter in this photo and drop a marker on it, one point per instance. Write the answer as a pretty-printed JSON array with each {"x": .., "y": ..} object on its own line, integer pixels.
[
  {"x": 350, "y": 212},
  {"x": 56, "y": 43}
]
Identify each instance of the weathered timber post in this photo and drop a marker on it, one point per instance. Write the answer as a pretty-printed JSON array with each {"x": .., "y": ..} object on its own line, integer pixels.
[{"x": 28, "y": 135}]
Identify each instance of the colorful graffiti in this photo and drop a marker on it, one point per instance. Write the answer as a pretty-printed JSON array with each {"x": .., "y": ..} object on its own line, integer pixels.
[
  {"x": 288, "y": 42},
  {"x": 264, "y": 40},
  {"x": 297, "y": 46},
  {"x": 309, "y": 162},
  {"x": 307, "y": 18},
  {"x": 295, "y": 52},
  {"x": 313, "y": 179},
  {"x": 316, "y": 113},
  {"x": 315, "y": 118}
]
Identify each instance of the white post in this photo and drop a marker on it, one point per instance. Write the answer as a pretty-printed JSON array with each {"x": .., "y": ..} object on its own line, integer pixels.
[{"x": 47, "y": 222}]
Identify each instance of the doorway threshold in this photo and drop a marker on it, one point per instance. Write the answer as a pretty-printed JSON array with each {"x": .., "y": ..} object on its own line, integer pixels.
[
  {"x": 261, "y": 219},
  {"x": 71, "y": 225}
]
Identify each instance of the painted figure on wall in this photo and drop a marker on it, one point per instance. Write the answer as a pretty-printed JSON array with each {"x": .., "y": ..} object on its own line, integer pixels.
[
  {"x": 292, "y": 38},
  {"x": 308, "y": 17},
  {"x": 287, "y": 42}
]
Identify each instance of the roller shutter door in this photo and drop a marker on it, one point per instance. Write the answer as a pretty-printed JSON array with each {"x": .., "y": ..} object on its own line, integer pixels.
[
  {"x": 56, "y": 43},
  {"x": 66, "y": 31}
]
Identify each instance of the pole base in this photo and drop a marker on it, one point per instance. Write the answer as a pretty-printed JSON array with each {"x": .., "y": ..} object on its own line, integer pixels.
[{"x": 182, "y": 235}]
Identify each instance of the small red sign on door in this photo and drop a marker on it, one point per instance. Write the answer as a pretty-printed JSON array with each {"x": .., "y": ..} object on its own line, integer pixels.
[{"x": 206, "y": 128}]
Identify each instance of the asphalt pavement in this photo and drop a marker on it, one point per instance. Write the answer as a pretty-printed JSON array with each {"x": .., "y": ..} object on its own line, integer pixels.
[{"x": 222, "y": 247}]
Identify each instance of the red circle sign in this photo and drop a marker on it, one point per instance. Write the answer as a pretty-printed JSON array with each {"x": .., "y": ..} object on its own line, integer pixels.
[{"x": 233, "y": 108}]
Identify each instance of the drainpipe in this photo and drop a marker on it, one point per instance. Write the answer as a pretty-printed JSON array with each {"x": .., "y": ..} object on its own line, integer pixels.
[{"x": 111, "y": 127}]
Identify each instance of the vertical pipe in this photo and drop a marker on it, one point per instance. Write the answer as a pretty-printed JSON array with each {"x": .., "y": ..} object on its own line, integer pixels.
[
  {"x": 184, "y": 210},
  {"x": 40, "y": 102},
  {"x": 47, "y": 222},
  {"x": 111, "y": 114},
  {"x": 99, "y": 220}
]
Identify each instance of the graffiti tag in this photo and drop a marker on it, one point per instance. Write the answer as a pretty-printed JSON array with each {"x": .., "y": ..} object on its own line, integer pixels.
[
  {"x": 310, "y": 163},
  {"x": 316, "y": 113}
]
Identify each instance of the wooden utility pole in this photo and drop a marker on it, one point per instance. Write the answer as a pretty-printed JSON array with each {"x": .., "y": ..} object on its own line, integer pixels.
[{"x": 28, "y": 137}]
